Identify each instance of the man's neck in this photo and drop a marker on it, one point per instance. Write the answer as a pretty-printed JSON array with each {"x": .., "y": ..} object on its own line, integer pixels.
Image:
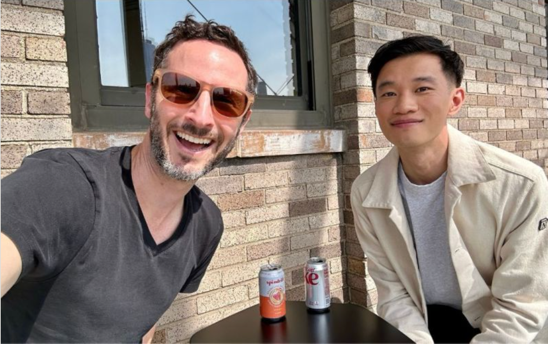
[
  {"x": 424, "y": 165},
  {"x": 160, "y": 198}
]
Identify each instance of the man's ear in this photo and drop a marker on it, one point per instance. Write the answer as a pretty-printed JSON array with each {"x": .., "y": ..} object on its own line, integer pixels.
[
  {"x": 457, "y": 100},
  {"x": 148, "y": 100}
]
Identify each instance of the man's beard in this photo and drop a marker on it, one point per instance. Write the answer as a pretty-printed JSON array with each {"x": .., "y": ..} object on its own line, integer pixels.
[{"x": 159, "y": 150}]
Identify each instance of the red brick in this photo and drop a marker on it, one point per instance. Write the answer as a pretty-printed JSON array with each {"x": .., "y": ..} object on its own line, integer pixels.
[
  {"x": 523, "y": 145},
  {"x": 497, "y": 135},
  {"x": 474, "y": 12},
  {"x": 395, "y": 20},
  {"x": 295, "y": 294},
  {"x": 513, "y": 113},
  {"x": 241, "y": 200},
  {"x": 12, "y": 102},
  {"x": 486, "y": 100},
  {"x": 307, "y": 207},
  {"x": 514, "y": 135},
  {"x": 416, "y": 10},
  {"x": 487, "y": 76},
  {"x": 327, "y": 251},
  {"x": 270, "y": 248},
  {"x": 493, "y": 41}
]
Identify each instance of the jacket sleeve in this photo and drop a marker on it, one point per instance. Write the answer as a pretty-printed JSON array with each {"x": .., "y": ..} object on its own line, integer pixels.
[
  {"x": 394, "y": 305},
  {"x": 520, "y": 282}
]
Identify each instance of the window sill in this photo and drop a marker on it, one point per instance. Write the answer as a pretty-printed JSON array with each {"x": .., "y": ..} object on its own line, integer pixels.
[{"x": 251, "y": 143}]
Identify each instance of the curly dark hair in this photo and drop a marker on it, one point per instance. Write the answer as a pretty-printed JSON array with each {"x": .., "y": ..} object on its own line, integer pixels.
[
  {"x": 451, "y": 63},
  {"x": 189, "y": 29}
]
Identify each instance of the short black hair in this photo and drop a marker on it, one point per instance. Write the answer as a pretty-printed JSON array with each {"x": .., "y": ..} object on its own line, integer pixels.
[
  {"x": 451, "y": 63},
  {"x": 189, "y": 29}
]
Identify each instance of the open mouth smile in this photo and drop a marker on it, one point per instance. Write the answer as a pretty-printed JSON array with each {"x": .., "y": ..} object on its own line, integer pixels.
[{"x": 191, "y": 143}]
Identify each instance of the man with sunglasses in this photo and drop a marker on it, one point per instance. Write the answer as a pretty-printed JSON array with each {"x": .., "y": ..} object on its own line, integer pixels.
[{"x": 97, "y": 244}]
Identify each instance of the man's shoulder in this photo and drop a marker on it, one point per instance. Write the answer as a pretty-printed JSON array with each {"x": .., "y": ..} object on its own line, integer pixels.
[
  {"x": 507, "y": 163},
  {"x": 204, "y": 200},
  {"x": 362, "y": 184},
  {"x": 205, "y": 205},
  {"x": 71, "y": 156}
]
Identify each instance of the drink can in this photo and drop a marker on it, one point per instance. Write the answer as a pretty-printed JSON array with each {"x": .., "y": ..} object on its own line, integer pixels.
[
  {"x": 316, "y": 276},
  {"x": 272, "y": 292}
]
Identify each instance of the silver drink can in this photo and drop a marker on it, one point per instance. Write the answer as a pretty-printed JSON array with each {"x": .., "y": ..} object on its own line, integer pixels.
[
  {"x": 316, "y": 277},
  {"x": 272, "y": 292}
]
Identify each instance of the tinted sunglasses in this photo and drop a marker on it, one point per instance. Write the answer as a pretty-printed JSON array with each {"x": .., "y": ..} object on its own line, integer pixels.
[{"x": 180, "y": 89}]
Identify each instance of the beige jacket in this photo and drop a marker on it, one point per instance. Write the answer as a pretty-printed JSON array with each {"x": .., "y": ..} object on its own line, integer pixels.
[{"x": 494, "y": 205}]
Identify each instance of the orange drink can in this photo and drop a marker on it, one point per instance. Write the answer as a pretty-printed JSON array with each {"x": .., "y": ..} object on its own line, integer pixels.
[{"x": 272, "y": 292}]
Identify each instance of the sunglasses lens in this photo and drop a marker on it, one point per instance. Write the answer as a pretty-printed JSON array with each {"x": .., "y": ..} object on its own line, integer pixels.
[
  {"x": 178, "y": 88},
  {"x": 229, "y": 102},
  {"x": 181, "y": 89}
]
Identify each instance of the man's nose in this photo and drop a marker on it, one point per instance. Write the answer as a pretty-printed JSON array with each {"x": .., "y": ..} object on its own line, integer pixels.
[
  {"x": 405, "y": 103},
  {"x": 201, "y": 112}
]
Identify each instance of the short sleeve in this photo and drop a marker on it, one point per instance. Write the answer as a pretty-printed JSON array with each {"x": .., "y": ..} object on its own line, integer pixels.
[
  {"x": 198, "y": 273},
  {"x": 48, "y": 209}
]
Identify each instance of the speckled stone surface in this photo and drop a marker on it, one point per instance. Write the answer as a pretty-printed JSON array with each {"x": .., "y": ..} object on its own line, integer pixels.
[
  {"x": 32, "y": 21},
  {"x": 12, "y": 2},
  {"x": 13, "y": 154},
  {"x": 46, "y": 49},
  {"x": 12, "y": 102},
  {"x": 30, "y": 74},
  {"x": 36, "y": 129},
  {"x": 49, "y": 103},
  {"x": 53, "y": 4},
  {"x": 12, "y": 46}
]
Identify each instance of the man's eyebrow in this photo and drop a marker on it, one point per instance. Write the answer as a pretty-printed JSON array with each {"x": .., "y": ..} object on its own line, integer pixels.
[
  {"x": 385, "y": 83},
  {"x": 425, "y": 78},
  {"x": 430, "y": 79}
]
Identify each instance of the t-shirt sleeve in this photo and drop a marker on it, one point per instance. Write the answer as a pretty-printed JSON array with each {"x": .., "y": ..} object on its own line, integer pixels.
[
  {"x": 197, "y": 274},
  {"x": 48, "y": 209}
]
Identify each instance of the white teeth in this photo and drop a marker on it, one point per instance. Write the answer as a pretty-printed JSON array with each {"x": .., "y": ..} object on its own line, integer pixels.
[{"x": 193, "y": 139}]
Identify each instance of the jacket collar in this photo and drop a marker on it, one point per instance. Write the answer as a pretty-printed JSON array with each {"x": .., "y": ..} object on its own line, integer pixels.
[{"x": 466, "y": 165}]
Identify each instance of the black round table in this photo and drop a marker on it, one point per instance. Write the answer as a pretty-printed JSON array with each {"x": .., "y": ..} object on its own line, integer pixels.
[{"x": 344, "y": 323}]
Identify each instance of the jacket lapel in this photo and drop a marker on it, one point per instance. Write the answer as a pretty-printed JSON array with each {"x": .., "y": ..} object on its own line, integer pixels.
[
  {"x": 466, "y": 165},
  {"x": 385, "y": 195}
]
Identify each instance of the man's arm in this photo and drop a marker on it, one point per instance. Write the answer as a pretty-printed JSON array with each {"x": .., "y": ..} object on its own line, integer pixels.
[
  {"x": 395, "y": 305},
  {"x": 10, "y": 263},
  {"x": 520, "y": 282},
  {"x": 147, "y": 338}
]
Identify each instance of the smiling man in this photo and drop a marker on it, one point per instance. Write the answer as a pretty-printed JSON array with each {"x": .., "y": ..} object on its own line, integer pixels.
[
  {"x": 97, "y": 244},
  {"x": 452, "y": 228}
]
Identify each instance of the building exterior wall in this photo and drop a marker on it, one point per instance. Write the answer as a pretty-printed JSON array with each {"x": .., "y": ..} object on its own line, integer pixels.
[
  {"x": 35, "y": 99},
  {"x": 291, "y": 207},
  {"x": 503, "y": 46},
  {"x": 275, "y": 210}
]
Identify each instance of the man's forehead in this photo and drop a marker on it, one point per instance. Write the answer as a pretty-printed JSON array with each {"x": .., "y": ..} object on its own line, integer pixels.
[
  {"x": 209, "y": 59},
  {"x": 425, "y": 66}
]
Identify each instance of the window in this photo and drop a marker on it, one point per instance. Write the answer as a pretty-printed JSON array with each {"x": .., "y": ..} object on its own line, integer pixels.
[{"x": 110, "y": 45}]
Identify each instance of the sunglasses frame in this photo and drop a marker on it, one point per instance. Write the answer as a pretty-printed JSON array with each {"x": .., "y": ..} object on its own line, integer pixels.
[{"x": 204, "y": 86}]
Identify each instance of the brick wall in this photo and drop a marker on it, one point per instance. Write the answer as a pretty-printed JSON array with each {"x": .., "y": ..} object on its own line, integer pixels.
[
  {"x": 288, "y": 208},
  {"x": 503, "y": 45},
  {"x": 275, "y": 210},
  {"x": 35, "y": 100}
]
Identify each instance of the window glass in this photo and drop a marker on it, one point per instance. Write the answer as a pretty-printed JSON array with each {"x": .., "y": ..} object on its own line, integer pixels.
[
  {"x": 267, "y": 28},
  {"x": 112, "y": 47}
]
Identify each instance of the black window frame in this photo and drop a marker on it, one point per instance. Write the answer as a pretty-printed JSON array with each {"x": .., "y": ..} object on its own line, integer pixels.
[{"x": 121, "y": 109}]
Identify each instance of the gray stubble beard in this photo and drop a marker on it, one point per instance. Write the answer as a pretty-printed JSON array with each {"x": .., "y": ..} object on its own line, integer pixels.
[{"x": 160, "y": 152}]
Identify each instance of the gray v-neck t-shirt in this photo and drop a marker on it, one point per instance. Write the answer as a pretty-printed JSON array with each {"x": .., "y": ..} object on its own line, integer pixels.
[{"x": 426, "y": 217}]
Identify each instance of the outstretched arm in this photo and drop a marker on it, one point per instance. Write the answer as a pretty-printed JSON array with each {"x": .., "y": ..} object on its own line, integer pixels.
[{"x": 10, "y": 263}]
